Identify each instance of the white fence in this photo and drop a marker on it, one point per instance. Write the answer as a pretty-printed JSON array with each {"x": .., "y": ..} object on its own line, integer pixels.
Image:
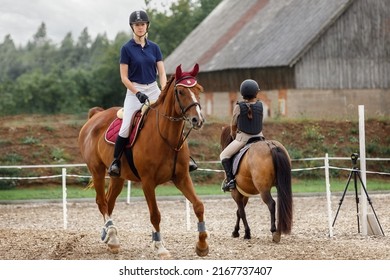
[{"x": 64, "y": 174}]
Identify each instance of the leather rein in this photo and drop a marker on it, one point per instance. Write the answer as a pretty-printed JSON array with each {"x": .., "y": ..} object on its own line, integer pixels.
[{"x": 183, "y": 118}]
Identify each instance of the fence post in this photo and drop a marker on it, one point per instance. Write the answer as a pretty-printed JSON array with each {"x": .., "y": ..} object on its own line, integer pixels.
[
  {"x": 328, "y": 195},
  {"x": 362, "y": 155},
  {"x": 128, "y": 191},
  {"x": 64, "y": 209}
]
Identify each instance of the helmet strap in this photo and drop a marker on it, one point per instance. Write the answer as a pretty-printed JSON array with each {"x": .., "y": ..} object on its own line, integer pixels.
[{"x": 144, "y": 35}]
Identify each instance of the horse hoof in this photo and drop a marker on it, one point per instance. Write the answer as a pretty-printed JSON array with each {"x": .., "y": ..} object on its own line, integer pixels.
[
  {"x": 202, "y": 252},
  {"x": 276, "y": 237},
  {"x": 235, "y": 234},
  {"x": 164, "y": 256}
]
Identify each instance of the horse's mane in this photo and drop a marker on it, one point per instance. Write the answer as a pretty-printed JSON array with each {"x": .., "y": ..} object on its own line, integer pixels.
[{"x": 164, "y": 91}]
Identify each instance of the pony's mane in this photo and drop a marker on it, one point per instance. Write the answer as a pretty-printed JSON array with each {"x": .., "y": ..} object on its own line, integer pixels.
[
  {"x": 226, "y": 138},
  {"x": 164, "y": 91}
]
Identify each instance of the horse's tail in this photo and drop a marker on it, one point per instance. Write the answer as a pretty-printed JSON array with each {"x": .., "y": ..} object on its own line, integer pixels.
[
  {"x": 93, "y": 111},
  {"x": 282, "y": 167}
]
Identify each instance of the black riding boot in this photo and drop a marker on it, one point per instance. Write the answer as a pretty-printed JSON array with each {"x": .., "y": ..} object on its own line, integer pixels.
[
  {"x": 230, "y": 182},
  {"x": 193, "y": 165},
  {"x": 115, "y": 168}
]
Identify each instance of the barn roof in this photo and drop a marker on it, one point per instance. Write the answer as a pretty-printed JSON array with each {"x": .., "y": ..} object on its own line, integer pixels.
[{"x": 255, "y": 34}]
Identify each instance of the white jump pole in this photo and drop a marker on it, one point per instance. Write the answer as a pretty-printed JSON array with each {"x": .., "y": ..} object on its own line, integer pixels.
[
  {"x": 328, "y": 195},
  {"x": 362, "y": 155},
  {"x": 64, "y": 209}
]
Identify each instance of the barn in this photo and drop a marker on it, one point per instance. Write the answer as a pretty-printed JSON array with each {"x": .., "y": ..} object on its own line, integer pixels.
[{"x": 312, "y": 58}]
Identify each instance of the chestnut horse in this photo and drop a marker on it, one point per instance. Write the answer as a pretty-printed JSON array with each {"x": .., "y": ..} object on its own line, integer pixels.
[
  {"x": 265, "y": 164},
  {"x": 160, "y": 154}
]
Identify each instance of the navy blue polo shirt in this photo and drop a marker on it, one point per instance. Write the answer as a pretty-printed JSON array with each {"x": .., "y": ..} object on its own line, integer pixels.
[{"x": 141, "y": 61}]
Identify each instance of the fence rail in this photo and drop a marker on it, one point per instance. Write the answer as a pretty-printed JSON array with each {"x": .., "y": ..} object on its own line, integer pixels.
[{"x": 64, "y": 175}]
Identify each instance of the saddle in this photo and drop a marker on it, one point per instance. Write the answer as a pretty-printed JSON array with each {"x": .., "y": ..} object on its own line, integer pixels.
[
  {"x": 236, "y": 159},
  {"x": 135, "y": 126}
]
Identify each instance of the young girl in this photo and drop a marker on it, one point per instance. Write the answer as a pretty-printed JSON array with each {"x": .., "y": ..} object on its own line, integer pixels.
[{"x": 247, "y": 122}]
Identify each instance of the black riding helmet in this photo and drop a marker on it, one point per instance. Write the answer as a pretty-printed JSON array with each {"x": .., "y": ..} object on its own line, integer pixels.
[
  {"x": 138, "y": 16},
  {"x": 249, "y": 89}
]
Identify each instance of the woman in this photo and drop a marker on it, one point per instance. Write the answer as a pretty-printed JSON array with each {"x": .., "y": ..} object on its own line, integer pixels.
[
  {"x": 140, "y": 62},
  {"x": 247, "y": 122}
]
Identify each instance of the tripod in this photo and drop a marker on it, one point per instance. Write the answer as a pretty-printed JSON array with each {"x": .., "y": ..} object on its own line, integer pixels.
[{"x": 355, "y": 173}]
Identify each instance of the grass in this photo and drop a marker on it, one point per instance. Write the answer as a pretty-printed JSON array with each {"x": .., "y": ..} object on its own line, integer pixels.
[{"x": 299, "y": 186}]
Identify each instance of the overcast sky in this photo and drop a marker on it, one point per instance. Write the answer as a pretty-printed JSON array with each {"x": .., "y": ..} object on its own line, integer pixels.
[{"x": 22, "y": 18}]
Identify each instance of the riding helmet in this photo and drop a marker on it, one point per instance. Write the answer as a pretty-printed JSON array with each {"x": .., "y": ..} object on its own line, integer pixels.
[
  {"x": 138, "y": 16},
  {"x": 249, "y": 89}
]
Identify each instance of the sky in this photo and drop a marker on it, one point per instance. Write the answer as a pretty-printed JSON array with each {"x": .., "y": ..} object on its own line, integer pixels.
[{"x": 22, "y": 18}]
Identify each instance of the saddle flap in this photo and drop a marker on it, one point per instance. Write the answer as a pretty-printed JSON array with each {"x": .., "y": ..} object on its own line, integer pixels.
[
  {"x": 113, "y": 129},
  {"x": 237, "y": 157}
]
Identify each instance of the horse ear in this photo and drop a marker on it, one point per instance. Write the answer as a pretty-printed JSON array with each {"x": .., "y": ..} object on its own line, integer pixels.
[
  {"x": 195, "y": 70},
  {"x": 178, "y": 72}
]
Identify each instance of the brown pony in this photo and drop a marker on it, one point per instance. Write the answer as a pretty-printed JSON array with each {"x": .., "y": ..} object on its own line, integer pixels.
[
  {"x": 160, "y": 154},
  {"x": 264, "y": 165}
]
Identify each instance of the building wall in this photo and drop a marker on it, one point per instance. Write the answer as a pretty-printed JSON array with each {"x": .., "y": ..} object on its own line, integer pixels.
[
  {"x": 306, "y": 104},
  {"x": 353, "y": 53}
]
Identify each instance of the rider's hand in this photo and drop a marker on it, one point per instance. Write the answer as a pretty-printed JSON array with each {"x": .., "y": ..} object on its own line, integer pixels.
[{"x": 142, "y": 97}]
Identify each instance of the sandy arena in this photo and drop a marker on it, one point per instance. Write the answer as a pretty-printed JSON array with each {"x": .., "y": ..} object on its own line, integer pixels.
[{"x": 34, "y": 231}]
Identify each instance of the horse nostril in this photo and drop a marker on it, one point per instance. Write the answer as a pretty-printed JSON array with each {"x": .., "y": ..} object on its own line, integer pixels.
[{"x": 195, "y": 122}]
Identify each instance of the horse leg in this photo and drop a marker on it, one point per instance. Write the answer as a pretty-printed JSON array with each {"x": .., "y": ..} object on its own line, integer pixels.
[
  {"x": 155, "y": 219},
  {"x": 267, "y": 198},
  {"x": 236, "y": 231},
  {"x": 110, "y": 232},
  {"x": 114, "y": 189},
  {"x": 241, "y": 202},
  {"x": 187, "y": 188}
]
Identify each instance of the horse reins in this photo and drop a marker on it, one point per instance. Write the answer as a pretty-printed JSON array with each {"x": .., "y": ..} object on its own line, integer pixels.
[{"x": 182, "y": 138}]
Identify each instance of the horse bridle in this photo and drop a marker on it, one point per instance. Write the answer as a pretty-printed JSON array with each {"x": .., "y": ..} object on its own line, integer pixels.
[
  {"x": 183, "y": 111},
  {"x": 182, "y": 108}
]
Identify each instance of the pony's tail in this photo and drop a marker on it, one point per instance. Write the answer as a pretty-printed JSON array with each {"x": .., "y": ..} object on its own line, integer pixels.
[{"x": 282, "y": 167}]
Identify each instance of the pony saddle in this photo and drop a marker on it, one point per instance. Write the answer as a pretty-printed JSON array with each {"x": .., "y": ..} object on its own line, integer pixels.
[
  {"x": 236, "y": 159},
  {"x": 136, "y": 125}
]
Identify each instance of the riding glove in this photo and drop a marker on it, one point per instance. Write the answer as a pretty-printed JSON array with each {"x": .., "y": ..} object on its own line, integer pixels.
[{"x": 142, "y": 97}]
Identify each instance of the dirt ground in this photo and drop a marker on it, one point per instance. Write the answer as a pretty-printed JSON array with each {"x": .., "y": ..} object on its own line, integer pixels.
[
  {"x": 34, "y": 231},
  {"x": 31, "y": 231}
]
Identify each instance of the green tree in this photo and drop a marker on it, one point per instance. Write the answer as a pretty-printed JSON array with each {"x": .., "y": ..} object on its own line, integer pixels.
[{"x": 44, "y": 78}]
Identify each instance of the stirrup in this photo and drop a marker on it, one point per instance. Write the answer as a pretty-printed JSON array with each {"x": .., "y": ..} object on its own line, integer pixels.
[
  {"x": 193, "y": 165},
  {"x": 228, "y": 186},
  {"x": 115, "y": 168}
]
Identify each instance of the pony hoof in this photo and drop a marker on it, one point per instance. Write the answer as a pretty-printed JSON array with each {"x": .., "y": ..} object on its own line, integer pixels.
[
  {"x": 235, "y": 234},
  {"x": 202, "y": 252},
  {"x": 113, "y": 248},
  {"x": 276, "y": 237}
]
